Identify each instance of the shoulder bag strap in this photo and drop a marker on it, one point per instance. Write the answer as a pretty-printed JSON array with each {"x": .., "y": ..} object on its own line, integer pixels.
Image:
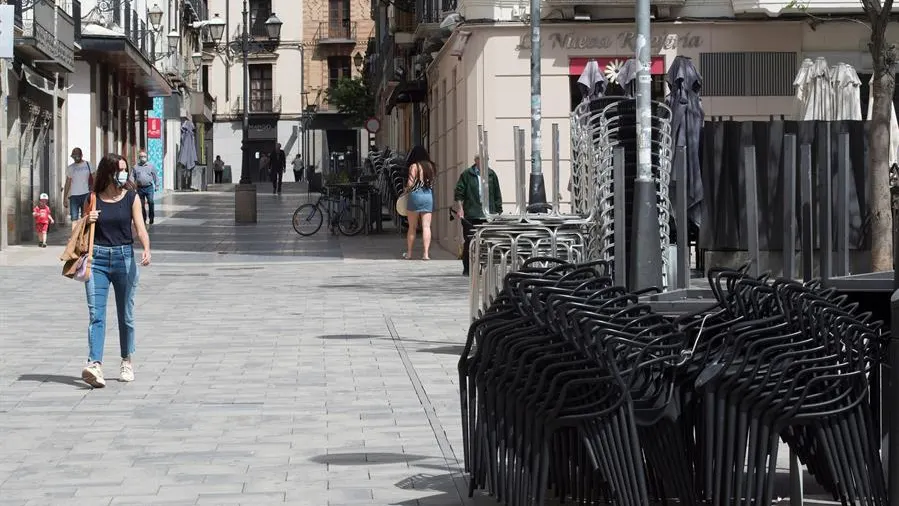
[{"x": 92, "y": 226}]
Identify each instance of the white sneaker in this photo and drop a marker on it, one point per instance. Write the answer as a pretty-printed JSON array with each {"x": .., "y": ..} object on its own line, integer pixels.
[
  {"x": 127, "y": 371},
  {"x": 93, "y": 375}
]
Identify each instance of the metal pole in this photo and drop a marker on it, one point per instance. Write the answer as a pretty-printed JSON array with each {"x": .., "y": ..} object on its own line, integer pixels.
[
  {"x": 647, "y": 246},
  {"x": 303, "y": 108},
  {"x": 245, "y": 162},
  {"x": 537, "y": 193},
  {"x": 4, "y": 142}
]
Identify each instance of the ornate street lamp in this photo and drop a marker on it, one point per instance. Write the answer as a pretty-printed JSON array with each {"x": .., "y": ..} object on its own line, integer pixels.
[
  {"x": 273, "y": 27},
  {"x": 357, "y": 60},
  {"x": 155, "y": 17},
  {"x": 216, "y": 27},
  {"x": 173, "y": 37},
  {"x": 197, "y": 58}
]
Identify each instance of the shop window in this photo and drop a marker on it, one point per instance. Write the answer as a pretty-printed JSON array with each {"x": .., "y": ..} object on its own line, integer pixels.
[
  {"x": 657, "y": 86},
  {"x": 260, "y": 11},
  {"x": 261, "y": 98},
  {"x": 339, "y": 67},
  {"x": 748, "y": 74}
]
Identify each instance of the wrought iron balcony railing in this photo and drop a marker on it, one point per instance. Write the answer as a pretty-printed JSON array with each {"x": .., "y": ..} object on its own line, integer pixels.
[
  {"x": 258, "y": 104},
  {"x": 336, "y": 32}
]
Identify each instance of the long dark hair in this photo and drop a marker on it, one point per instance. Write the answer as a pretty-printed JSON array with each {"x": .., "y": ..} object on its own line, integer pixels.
[
  {"x": 106, "y": 172},
  {"x": 419, "y": 155}
]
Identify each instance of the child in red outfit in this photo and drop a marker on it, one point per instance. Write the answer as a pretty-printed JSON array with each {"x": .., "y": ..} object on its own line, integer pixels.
[{"x": 42, "y": 220}]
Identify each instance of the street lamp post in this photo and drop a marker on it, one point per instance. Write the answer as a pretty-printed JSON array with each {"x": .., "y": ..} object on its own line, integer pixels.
[{"x": 245, "y": 196}]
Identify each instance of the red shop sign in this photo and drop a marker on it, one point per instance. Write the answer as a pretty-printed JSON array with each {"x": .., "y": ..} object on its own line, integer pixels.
[
  {"x": 154, "y": 128},
  {"x": 609, "y": 65}
]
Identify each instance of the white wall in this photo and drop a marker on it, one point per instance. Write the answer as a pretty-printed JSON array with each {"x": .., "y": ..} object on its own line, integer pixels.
[
  {"x": 79, "y": 112},
  {"x": 226, "y": 143},
  {"x": 291, "y": 141}
]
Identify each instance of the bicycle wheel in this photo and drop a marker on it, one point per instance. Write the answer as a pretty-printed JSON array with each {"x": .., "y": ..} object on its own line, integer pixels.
[
  {"x": 351, "y": 220},
  {"x": 307, "y": 219}
]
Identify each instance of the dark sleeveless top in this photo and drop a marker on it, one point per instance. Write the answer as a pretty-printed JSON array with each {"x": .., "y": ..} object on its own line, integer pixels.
[{"x": 114, "y": 222}]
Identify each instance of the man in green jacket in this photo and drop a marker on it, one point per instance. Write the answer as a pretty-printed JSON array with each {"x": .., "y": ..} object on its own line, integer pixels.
[{"x": 468, "y": 203}]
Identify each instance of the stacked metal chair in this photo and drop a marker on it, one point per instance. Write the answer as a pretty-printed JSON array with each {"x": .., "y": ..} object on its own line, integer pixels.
[
  {"x": 575, "y": 388},
  {"x": 600, "y": 127}
]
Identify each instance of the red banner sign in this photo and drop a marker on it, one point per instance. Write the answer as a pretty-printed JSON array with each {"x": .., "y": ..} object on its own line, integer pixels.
[
  {"x": 154, "y": 128},
  {"x": 609, "y": 65}
]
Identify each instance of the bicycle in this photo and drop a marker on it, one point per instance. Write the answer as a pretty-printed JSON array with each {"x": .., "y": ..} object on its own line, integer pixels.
[{"x": 349, "y": 219}]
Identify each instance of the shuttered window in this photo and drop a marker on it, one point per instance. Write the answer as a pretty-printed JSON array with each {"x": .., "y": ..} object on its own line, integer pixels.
[{"x": 748, "y": 74}]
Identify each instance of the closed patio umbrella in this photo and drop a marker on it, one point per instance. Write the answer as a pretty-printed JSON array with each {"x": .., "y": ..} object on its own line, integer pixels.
[
  {"x": 591, "y": 82},
  {"x": 847, "y": 97},
  {"x": 814, "y": 91},
  {"x": 687, "y": 118},
  {"x": 627, "y": 78},
  {"x": 188, "y": 155}
]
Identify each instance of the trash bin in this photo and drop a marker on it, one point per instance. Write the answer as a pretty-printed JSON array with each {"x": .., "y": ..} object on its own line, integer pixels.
[
  {"x": 315, "y": 182},
  {"x": 226, "y": 174}
]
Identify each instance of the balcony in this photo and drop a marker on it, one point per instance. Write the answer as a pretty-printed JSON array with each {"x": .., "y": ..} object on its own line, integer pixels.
[
  {"x": 774, "y": 8},
  {"x": 202, "y": 106},
  {"x": 257, "y": 105},
  {"x": 44, "y": 41},
  {"x": 615, "y": 3},
  {"x": 336, "y": 32},
  {"x": 197, "y": 9}
]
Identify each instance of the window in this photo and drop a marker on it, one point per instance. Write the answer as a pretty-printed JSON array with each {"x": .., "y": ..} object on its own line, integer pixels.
[
  {"x": 338, "y": 68},
  {"x": 261, "y": 88},
  {"x": 339, "y": 19},
  {"x": 260, "y": 11}
]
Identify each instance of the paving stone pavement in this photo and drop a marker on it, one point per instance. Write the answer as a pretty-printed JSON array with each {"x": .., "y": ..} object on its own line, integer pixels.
[{"x": 308, "y": 371}]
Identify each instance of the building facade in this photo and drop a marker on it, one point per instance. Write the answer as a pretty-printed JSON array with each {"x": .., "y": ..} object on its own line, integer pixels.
[
  {"x": 36, "y": 80},
  {"x": 477, "y": 73},
  {"x": 275, "y": 104},
  {"x": 337, "y": 34}
]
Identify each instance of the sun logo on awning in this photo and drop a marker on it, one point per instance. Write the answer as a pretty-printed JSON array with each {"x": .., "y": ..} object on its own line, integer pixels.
[{"x": 613, "y": 70}]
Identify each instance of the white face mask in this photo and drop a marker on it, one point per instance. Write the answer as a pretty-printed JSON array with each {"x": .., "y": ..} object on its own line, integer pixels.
[{"x": 121, "y": 178}]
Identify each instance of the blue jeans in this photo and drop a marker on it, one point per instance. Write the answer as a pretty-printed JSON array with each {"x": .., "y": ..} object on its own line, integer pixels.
[
  {"x": 146, "y": 201},
  {"x": 111, "y": 265},
  {"x": 76, "y": 205}
]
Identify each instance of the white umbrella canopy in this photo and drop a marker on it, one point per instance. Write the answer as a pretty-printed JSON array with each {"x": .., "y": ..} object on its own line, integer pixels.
[
  {"x": 814, "y": 90},
  {"x": 803, "y": 84},
  {"x": 894, "y": 125},
  {"x": 847, "y": 97}
]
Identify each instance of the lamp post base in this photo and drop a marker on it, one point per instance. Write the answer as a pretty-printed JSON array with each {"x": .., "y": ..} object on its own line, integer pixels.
[{"x": 245, "y": 203}]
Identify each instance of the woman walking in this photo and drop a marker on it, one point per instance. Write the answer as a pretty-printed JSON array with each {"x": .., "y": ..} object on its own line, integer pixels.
[
  {"x": 420, "y": 202},
  {"x": 117, "y": 215}
]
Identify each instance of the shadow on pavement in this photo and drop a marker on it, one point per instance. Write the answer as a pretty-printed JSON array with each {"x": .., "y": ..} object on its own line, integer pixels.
[
  {"x": 350, "y": 336},
  {"x": 455, "y": 350},
  {"x": 452, "y": 490},
  {"x": 362, "y": 459},
  {"x": 53, "y": 378}
]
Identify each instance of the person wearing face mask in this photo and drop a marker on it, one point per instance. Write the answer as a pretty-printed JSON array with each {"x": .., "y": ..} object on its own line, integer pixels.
[
  {"x": 144, "y": 176},
  {"x": 118, "y": 215}
]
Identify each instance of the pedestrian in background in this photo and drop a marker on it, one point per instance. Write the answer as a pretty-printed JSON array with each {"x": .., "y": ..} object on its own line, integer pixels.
[
  {"x": 278, "y": 167},
  {"x": 146, "y": 179},
  {"x": 79, "y": 179},
  {"x": 469, "y": 198},
  {"x": 297, "y": 168},
  {"x": 420, "y": 200},
  {"x": 43, "y": 217},
  {"x": 117, "y": 216},
  {"x": 218, "y": 169},
  {"x": 264, "y": 163}
]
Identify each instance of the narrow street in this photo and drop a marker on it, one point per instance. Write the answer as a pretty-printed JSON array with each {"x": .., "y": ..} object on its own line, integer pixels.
[{"x": 270, "y": 368}]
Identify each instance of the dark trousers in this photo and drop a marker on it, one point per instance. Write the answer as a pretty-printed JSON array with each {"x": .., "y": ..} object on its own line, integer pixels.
[
  {"x": 298, "y": 175},
  {"x": 146, "y": 202},
  {"x": 468, "y": 232},
  {"x": 217, "y": 176},
  {"x": 277, "y": 177}
]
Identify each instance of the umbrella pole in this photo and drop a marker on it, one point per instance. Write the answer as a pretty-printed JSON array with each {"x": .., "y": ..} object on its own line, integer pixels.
[
  {"x": 245, "y": 194},
  {"x": 647, "y": 250},
  {"x": 537, "y": 192}
]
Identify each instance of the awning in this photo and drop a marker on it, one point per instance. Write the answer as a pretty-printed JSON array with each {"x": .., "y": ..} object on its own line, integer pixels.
[
  {"x": 330, "y": 120},
  {"x": 611, "y": 64},
  {"x": 407, "y": 92},
  {"x": 120, "y": 52}
]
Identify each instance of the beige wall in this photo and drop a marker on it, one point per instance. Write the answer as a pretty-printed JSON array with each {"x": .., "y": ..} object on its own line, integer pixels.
[
  {"x": 492, "y": 87},
  {"x": 316, "y": 11}
]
